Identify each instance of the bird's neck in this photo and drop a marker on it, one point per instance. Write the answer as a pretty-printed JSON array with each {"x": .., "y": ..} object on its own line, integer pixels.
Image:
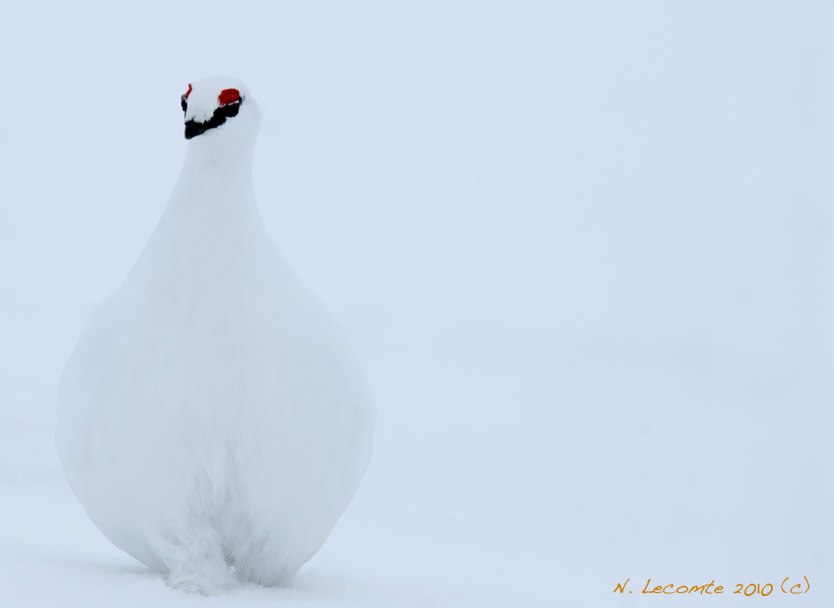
[
  {"x": 215, "y": 182},
  {"x": 211, "y": 231}
]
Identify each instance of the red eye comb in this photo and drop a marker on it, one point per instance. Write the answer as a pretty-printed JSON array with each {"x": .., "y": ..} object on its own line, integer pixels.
[
  {"x": 188, "y": 92},
  {"x": 228, "y": 96}
]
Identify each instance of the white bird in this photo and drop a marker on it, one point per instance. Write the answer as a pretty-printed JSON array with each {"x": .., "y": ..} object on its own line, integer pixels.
[{"x": 211, "y": 420}]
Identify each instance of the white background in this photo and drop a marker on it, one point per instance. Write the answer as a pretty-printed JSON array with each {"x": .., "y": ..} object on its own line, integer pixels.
[{"x": 585, "y": 251}]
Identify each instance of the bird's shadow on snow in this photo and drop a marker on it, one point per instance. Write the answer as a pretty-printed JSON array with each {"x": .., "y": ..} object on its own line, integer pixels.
[
  {"x": 313, "y": 583},
  {"x": 106, "y": 567}
]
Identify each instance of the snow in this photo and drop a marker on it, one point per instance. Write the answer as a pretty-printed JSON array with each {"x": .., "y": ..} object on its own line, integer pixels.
[{"x": 584, "y": 253}]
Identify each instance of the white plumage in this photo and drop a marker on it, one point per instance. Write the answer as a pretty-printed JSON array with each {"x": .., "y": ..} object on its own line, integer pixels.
[{"x": 211, "y": 420}]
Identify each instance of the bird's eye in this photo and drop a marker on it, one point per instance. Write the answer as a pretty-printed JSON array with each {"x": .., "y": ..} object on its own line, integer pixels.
[
  {"x": 184, "y": 104},
  {"x": 229, "y": 110}
]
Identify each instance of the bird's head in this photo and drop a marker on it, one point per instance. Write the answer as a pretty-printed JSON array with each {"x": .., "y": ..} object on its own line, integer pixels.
[{"x": 219, "y": 107}]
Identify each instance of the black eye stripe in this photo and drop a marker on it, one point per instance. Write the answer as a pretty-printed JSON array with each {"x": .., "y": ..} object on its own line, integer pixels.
[
  {"x": 183, "y": 103},
  {"x": 229, "y": 110},
  {"x": 193, "y": 128}
]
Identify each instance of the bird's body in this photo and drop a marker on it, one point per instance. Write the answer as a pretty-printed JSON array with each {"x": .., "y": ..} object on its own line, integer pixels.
[{"x": 211, "y": 420}]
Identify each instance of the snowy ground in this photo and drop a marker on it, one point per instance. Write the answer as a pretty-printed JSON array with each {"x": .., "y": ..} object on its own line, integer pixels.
[
  {"x": 534, "y": 485},
  {"x": 584, "y": 251}
]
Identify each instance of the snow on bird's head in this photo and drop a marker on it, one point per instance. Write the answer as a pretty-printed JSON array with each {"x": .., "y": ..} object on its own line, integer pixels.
[{"x": 211, "y": 103}]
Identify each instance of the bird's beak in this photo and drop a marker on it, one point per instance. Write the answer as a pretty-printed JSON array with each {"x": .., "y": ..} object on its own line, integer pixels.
[{"x": 193, "y": 129}]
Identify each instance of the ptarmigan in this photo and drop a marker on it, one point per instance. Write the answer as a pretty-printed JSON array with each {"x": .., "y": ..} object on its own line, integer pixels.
[{"x": 211, "y": 419}]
